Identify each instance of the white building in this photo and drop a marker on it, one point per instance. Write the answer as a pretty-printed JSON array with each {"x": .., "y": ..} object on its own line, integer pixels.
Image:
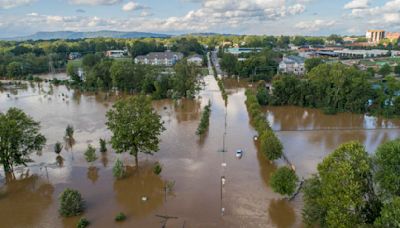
[
  {"x": 196, "y": 59},
  {"x": 116, "y": 53},
  {"x": 375, "y": 36},
  {"x": 292, "y": 65},
  {"x": 167, "y": 58}
]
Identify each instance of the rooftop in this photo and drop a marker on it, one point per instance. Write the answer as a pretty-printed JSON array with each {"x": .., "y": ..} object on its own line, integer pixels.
[{"x": 161, "y": 55}]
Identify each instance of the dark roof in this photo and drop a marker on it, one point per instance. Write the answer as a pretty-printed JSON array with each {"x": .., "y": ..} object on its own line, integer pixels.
[{"x": 161, "y": 55}]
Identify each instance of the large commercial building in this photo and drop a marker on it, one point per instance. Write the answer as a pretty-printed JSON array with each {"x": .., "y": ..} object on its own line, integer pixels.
[{"x": 374, "y": 36}]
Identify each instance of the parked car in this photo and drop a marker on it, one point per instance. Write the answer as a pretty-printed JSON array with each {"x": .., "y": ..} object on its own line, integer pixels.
[{"x": 239, "y": 154}]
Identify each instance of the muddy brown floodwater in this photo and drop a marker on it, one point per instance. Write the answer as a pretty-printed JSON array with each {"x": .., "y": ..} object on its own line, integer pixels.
[{"x": 198, "y": 199}]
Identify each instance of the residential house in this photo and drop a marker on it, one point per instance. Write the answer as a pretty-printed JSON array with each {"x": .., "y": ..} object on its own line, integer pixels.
[
  {"x": 292, "y": 65},
  {"x": 116, "y": 53},
  {"x": 166, "y": 58},
  {"x": 74, "y": 55},
  {"x": 196, "y": 59}
]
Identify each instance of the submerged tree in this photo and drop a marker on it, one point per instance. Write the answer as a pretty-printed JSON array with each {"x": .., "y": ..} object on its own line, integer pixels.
[
  {"x": 135, "y": 125},
  {"x": 270, "y": 145},
  {"x": 19, "y": 137},
  {"x": 69, "y": 132},
  {"x": 71, "y": 203},
  {"x": 283, "y": 181},
  {"x": 118, "y": 169},
  {"x": 58, "y": 148},
  {"x": 90, "y": 154},
  {"x": 103, "y": 145}
]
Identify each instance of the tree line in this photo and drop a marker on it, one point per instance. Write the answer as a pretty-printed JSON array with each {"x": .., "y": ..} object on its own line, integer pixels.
[
  {"x": 23, "y": 58},
  {"x": 256, "y": 66},
  {"x": 102, "y": 73},
  {"x": 338, "y": 88}
]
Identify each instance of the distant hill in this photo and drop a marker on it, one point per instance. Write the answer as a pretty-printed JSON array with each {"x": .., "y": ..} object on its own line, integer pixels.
[
  {"x": 210, "y": 34},
  {"x": 82, "y": 35}
]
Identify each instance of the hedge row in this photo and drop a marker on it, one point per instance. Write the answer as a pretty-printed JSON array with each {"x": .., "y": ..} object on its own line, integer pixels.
[
  {"x": 205, "y": 120},
  {"x": 270, "y": 145}
]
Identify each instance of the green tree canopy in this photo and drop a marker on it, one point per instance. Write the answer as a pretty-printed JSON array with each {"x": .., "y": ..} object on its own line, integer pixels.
[
  {"x": 228, "y": 63},
  {"x": 341, "y": 195},
  {"x": 135, "y": 125},
  {"x": 185, "y": 82},
  {"x": 387, "y": 161},
  {"x": 385, "y": 70},
  {"x": 283, "y": 181},
  {"x": 19, "y": 137},
  {"x": 312, "y": 63},
  {"x": 270, "y": 145},
  {"x": 390, "y": 214}
]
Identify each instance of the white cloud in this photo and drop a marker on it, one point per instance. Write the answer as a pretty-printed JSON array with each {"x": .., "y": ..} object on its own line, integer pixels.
[
  {"x": 315, "y": 25},
  {"x": 8, "y": 4},
  {"x": 357, "y": 4},
  {"x": 212, "y": 15},
  {"x": 95, "y": 2},
  {"x": 131, "y": 6},
  {"x": 386, "y": 16}
]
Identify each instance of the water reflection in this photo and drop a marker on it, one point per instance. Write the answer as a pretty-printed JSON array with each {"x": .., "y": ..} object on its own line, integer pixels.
[
  {"x": 24, "y": 200},
  {"x": 324, "y": 133},
  {"x": 104, "y": 159},
  {"x": 93, "y": 174},
  {"x": 281, "y": 213},
  {"x": 140, "y": 183}
]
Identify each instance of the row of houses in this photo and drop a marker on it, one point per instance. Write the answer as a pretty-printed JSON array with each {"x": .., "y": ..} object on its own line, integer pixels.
[{"x": 167, "y": 58}]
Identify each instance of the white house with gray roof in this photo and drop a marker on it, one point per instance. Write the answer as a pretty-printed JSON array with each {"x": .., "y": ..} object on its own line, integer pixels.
[
  {"x": 166, "y": 58},
  {"x": 292, "y": 65}
]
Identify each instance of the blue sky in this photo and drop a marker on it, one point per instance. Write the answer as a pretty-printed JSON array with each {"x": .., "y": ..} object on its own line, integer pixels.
[{"x": 272, "y": 17}]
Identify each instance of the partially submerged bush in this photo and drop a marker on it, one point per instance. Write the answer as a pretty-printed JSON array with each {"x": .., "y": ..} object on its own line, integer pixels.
[
  {"x": 283, "y": 181},
  {"x": 119, "y": 169},
  {"x": 83, "y": 223},
  {"x": 90, "y": 154},
  {"x": 120, "y": 217},
  {"x": 157, "y": 168},
  {"x": 58, "y": 148},
  {"x": 103, "y": 145},
  {"x": 69, "y": 132},
  {"x": 270, "y": 145},
  {"x": 205, "y": 120},
  {"x": 71, "y": 203}
]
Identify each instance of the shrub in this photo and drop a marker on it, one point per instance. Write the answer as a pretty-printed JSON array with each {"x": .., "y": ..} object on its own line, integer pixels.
[
  {"x": 90, "y": 154},
  {"x": 157, "y": 168},
  {"x": 205, "y": 120},
  {"x": 270, "y": 145},
  {"x": 120, "y": 217},
  {"x": 283, "y": 181},
  {"x": 262, "y": 95},
  {"x": 119, "y": 169},
  {"x": 58, "y": 148},
  {"x": 83, "y": 222},
  {"x": 71, "y": 203},
  {"x": 103, "y": 145},
  {"x": 69, "y": 132}
]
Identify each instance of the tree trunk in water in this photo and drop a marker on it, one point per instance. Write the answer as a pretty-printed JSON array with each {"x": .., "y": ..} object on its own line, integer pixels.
[
  {"x": 7, "y": 168},
  {"x": 136, "y": 161}
]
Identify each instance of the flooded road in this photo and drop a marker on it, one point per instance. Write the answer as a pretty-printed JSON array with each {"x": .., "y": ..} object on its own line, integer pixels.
[{"x": 196, "y": 165}]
